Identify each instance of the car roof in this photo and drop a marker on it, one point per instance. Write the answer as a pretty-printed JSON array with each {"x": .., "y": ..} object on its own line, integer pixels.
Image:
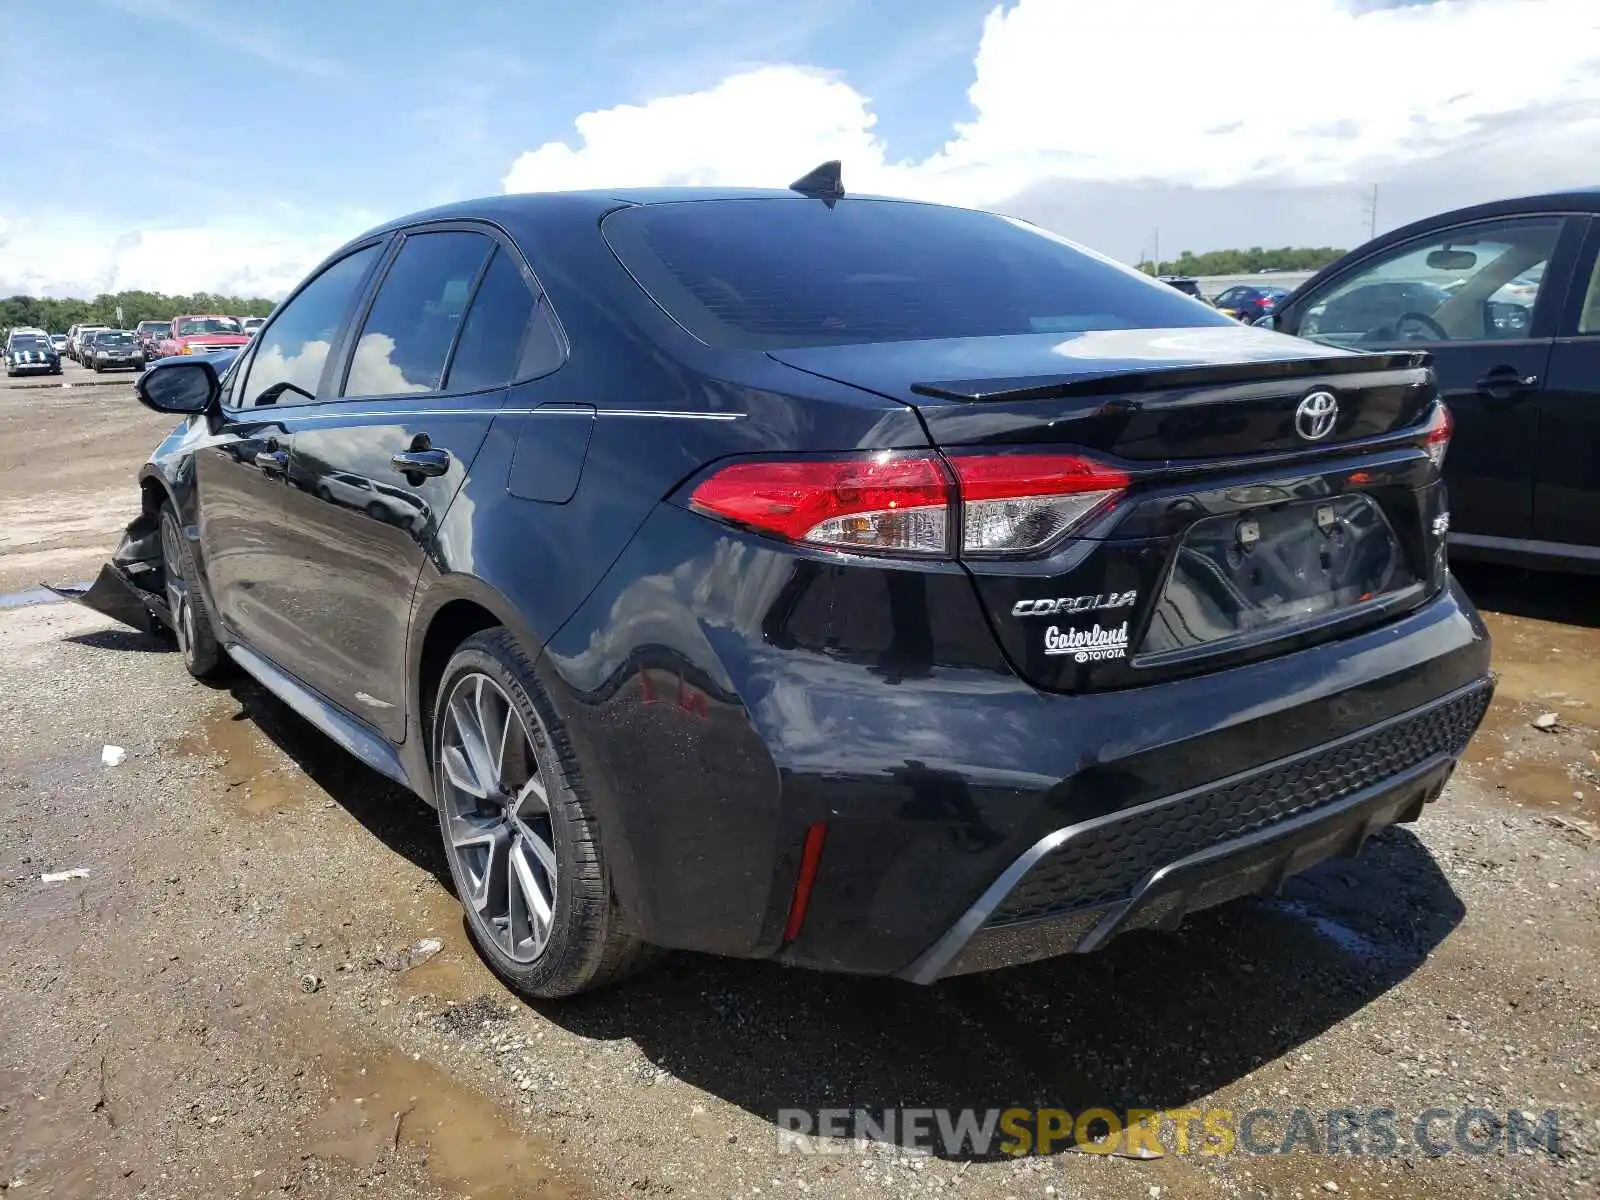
[{"x": 533, "y": 208}]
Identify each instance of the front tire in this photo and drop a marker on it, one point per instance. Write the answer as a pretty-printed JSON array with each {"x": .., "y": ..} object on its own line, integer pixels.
[
  {"x": 520, "y": 833},
  {"x": 203, "y": 655}
]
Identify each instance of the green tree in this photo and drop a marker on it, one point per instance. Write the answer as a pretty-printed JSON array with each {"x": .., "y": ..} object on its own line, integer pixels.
[
  {"x": 1245, "y": 262},
  {"x": 57, "y": 314}
]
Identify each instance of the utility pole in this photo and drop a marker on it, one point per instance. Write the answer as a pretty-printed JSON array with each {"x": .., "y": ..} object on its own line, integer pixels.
[
  {"x": 1372, "y": 214},
  {"x": 1158, "y": 249}
]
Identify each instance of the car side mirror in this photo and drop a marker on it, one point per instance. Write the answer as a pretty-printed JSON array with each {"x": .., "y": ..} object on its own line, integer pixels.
[
  {"x": 176, "y": 386},
  {"x": 1266, "y": 321}
]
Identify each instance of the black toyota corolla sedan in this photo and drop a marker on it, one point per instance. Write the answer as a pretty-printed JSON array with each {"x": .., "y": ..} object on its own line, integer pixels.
[{"x": 866, "y": 585}]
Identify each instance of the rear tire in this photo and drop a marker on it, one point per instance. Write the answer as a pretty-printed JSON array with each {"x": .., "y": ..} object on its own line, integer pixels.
[
  {"x": 203, "y": 655},
  {"x": 520, "y": 832}
]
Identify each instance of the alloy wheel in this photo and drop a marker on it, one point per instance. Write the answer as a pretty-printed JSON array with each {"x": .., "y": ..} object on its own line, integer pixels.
[
  {"x": 496, "y": 809},
  {"x": 177, "y": 592}
]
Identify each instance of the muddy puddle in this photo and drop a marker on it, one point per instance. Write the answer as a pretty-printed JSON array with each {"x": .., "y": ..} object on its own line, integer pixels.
[
  {"x": 1547, "y": 661},
  {"x": 391, "y": 1105},
  {"x": 257, "y": 777}
]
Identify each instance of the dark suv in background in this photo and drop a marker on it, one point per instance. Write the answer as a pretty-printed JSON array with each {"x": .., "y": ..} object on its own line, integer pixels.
[{"x": 865, "y": 585}]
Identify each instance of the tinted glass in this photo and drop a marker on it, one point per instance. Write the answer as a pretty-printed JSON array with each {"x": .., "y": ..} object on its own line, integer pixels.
[
  {"x": 492, "y": 337},
  {"x": 1467, "y": 284},
  {"x": 28, "y": 342},
  {"x": 291, "y": 351},
  {"x": 1589, "y": 316},
  {"x": 543, "y": 350},
  {"x": 416, "y": 315},
  {"x": 777, "y": 272},
  {"x": 120, "y": 338}
]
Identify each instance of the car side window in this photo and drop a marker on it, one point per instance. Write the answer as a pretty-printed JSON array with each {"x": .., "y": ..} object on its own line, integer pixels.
[
  {"x": 1589, "y": 315},
  {"x": 418, "y": 311},
  {"x": 289, "y": 354},
  {"x": 1472, "y": 283},
  {"x": 492, "y": 337}
]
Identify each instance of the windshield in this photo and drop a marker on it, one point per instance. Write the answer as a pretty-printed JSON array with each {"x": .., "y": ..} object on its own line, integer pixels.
[
  {"x": 196, "y": 325},
  {"x": 155, "y": 326},
  {"x": 773, "y": 273},
  {"x": 30, "y": 343},
  {"x": 114, "y": 339}
]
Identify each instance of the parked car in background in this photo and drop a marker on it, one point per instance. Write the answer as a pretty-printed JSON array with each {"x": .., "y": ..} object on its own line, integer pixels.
[
  {"x": 75, "y": 339},
  {"x": 780, "y": 587},
  {"x": 150, "y": 334},
  {"x": 111, "y": 349},
  {"x": 1505, "y": 297},
  {"x": 1249, "y": 304},
  {"x": 250, "y": 324},
  {"x": 30, "y": 352},
  {"x": 1185, "y": 284},
  {"x": 59, "y": 341},
  {"x": 201, "y": 334}
]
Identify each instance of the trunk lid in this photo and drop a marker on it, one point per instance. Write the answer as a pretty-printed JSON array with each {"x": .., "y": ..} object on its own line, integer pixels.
[
  {"x": 1250, "y": 525},
  {"x": 1140, "y": 394}
]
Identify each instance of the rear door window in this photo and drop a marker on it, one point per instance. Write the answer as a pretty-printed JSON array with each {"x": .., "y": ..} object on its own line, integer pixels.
[
  {"x": 776, "y": 273},
  {"x": 492, "y": 337},
  {"x": 406, "y": 339}
]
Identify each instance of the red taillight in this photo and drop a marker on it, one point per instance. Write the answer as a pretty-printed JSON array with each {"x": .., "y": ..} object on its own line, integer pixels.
[
  {"x": 1014, "y": 503},
  {"x": 883, "y": 503},
  {"x": 1436, "y": 437},
  {"x": 1010, "y": 503}
]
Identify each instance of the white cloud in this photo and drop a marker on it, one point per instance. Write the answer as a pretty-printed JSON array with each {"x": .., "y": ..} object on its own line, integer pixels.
[
  {"x": 1313, "y": 92},
  {"x": 63, "y": 255}
]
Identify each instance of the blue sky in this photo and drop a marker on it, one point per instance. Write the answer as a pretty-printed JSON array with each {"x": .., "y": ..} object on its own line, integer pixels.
[
  {"x": 391, "y": 105},
  {"x": 174, "y": 144}
]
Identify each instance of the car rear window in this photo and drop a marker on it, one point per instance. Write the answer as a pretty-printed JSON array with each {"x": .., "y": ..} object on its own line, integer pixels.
[{"x": 777, "y": 272}]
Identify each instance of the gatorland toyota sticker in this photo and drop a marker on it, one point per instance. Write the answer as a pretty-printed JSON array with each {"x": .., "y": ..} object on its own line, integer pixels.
[{"x": 1088, "y": 645}]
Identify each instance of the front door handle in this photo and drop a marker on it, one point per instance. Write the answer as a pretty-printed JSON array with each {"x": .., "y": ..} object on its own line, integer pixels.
[
  {"x": 1506, "y": 383},
  {"x": 272, "y": 462},
  {"x": 421, "y": 462}
]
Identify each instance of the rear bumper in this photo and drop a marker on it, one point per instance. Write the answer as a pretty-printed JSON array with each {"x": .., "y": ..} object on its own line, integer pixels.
[
  {"x": 723, "y": 696},
  {"x": 1148, "y": 867}
]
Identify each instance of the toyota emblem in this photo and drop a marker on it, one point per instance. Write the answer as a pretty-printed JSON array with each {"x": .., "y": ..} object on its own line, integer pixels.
[{"x": 1314, "y": 419}]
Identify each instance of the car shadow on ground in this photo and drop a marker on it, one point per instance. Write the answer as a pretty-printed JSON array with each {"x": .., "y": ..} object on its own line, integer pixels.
[
  {"x": 123, "y": 640},
  {"x": 1152, "y": 1021},
  {"x": 386, "y": 810},
  {"x": 1539, "y": 595}
]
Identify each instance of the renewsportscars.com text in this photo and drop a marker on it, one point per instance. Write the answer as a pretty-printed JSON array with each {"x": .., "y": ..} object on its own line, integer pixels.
[{"x": 1149, "y": 1133}]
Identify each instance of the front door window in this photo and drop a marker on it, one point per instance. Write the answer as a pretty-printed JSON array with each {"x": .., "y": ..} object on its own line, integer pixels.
[{"x": 1469, "y": 284}]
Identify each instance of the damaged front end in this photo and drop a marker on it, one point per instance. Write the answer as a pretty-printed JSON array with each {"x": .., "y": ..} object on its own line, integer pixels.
[{"x": 131, "y": 587}]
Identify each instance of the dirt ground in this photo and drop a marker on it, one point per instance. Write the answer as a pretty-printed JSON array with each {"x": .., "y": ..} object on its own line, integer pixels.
[{"x": 239, "y": 997}]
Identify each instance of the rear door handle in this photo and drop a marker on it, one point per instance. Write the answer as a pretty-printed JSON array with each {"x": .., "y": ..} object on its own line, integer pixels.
[
  {"x": 421, "y": 462},
  {"x": 272, "y": 462},
  {"x": 1505, "y": 383}
]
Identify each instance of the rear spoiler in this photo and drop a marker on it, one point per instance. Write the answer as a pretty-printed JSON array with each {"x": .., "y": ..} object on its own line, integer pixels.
[{"x": 1097, "y": 383}]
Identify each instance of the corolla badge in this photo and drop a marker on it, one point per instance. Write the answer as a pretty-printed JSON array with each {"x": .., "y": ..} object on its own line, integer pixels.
[
  {"x": 1097, "y": 602},
  {"x": 1314, "y": 419}
]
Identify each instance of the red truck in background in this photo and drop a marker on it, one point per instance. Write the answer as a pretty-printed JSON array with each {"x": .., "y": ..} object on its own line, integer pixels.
[{"x": 199, "y": 334}]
